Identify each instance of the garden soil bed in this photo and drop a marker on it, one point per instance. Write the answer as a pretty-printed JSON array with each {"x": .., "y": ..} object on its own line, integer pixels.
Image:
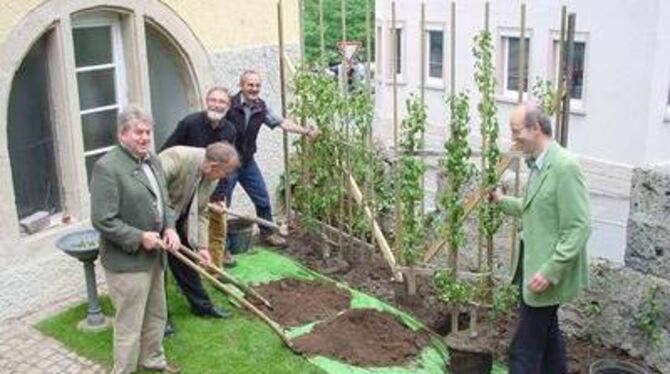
[
  {"x": 297, "y": 302},
  {"x": 375, "y": 278},
  {"x": 364, "y": 337}
]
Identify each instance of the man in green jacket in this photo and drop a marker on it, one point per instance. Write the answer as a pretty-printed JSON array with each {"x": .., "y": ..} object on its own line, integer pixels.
[
  {"x": 551, "y": 266},
  {"x": 192, "y": 174},
  {"x": 129, "y": 207}
]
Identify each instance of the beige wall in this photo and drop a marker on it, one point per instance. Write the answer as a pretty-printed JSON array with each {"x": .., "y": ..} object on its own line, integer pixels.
[{"x": 219, "y": 25}]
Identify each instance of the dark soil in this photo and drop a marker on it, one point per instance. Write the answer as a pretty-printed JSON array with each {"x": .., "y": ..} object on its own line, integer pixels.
[
  {"x": 364, "y": 337},
  {"x": 296, "y": 302},
  {"x": 375, "y": 278}
]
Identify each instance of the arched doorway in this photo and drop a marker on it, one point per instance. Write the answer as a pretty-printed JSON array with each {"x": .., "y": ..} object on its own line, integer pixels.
[{"x": 61, "y": 100}]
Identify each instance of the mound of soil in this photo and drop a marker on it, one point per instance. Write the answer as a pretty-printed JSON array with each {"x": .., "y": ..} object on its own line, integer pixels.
[
  {"x": 364, "y": 337},
  {"x": 297, "y": 302}
]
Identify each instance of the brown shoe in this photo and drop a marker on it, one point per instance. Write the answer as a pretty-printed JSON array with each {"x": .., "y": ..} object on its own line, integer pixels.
[
  {"x": 274, "y": 240},
  {"x": 169, "y": 368},
  {"x": 229, "y": 260}
]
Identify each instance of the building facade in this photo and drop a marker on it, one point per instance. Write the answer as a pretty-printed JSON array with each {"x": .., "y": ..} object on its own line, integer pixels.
[
  {"x": 620, "y": 108},
  {"x": 68, "y": 66}
]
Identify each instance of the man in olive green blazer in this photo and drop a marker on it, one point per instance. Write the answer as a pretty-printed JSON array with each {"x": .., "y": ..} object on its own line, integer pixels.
[
  {"x": 192, "y": 174},
  {"x": 129, "y": 208},
  {"x": 551, "y": 265}
]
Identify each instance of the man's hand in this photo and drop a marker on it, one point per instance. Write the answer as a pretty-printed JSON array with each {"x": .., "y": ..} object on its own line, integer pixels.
[
  {"x": 171, "y": 240},
  {"x": 538, "y": 283},
  {"x": 218, "y": 207},
  {"x": 495, "y": 195},
  {"x": 312, "y": 131},
  {"x": 205, "y": 257},
  {"x": 151, "y": 240}
]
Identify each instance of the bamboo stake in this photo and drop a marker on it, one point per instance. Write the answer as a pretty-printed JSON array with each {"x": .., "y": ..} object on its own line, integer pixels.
[
  {"x": 368, "y": 80},
  {"x": 522, "y": 80},
  {"x": 394, "y": 54},
  {"x": 345, "y": 68},
  {"x": 422, "y": 51},
  {"x": 322, "y": 32},
  {"x": 480, "y": 244},
  {"x": 228, "y": 277},
  {"x": 452, "y": 254},
  {"x": 281, "y": 230},
  {"x": 282, "y": 84},
  {"x": 228, "y": 290}
]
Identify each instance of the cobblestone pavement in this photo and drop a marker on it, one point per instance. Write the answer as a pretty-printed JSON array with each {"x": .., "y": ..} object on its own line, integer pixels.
[
  {"x": 25, "y": 350},
  {"x": 36, "y": 281}
]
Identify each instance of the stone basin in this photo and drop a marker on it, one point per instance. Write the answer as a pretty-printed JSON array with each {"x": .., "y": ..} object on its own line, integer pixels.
[{"x": 82, "y": 245}]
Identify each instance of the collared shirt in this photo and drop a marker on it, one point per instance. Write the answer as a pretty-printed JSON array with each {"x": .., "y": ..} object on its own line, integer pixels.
[
  {"x": 272, "y": 119},
  {"x": 153, "y": 182},
  {"x": 535, "y": 166}
]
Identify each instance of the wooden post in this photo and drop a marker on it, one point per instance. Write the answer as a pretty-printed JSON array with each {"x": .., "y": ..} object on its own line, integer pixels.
[
  {"x": 452, "y": 254},
  {"x": 480, "y": 243},
  {"x": 383, "y": 244},
  {"x": 282, "y": 85},
  {"x": 565, "y": 117},
  {"x": 560, "y": 88}
]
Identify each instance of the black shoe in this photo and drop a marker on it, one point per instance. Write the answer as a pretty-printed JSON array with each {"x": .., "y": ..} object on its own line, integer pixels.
[
  {"x": 169, "y": 330},
  {"x": 213, "y": 313}
]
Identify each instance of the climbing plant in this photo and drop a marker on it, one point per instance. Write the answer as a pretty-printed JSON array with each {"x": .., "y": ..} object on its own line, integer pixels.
[
  {"x": 411, "y": 169},
  {"x": 490, "y": 215},
  {"x": 318, "y": 167},
  {"x": 458, "y": 168},
  {"x": 545, "y": 94}
]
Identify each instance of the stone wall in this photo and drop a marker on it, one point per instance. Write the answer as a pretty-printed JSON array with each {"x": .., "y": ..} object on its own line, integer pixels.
[{"x": 648, "y": 231}]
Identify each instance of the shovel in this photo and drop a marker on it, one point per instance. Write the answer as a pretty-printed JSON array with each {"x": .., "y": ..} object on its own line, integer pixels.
[{"x": 236, "y": 282}]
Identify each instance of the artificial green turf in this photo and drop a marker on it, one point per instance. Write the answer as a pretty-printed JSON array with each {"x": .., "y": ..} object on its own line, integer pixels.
[{"x": 242, "y": 344}]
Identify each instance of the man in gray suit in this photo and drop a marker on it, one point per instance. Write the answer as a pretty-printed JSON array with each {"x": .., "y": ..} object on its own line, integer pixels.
[
  {"x": 192, "y": 174},
  {"x": 129, "y": 207}
]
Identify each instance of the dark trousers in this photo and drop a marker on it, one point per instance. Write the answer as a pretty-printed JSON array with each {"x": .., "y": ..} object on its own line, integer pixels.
[
  {"x": 250, "y": 178},
  {"x": 538, "y": 346},
  {"x": 188, "y": 279}
]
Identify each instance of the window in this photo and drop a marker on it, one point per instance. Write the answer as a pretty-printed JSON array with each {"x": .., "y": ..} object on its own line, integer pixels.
[
  {"x": 435, "y": 58},
  {"x": 511, "y": 66},
  {"x": 578, "y": 66},
  {"x": 100, "y": 82},
  {"x": 397, "y": 47}
]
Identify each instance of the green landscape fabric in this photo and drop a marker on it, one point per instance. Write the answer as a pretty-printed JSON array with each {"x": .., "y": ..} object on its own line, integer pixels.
[{"x": 265, "y": 266}]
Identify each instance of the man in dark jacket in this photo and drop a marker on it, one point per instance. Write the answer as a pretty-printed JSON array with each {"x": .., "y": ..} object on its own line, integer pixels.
[
  {"x": 201, "y": 129},
  {"x": 248, "y": 112},
  {"x": 129, "y": 207}
]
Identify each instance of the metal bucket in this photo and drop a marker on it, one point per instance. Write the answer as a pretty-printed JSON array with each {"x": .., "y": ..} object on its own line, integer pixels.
[
  {"x": 238, "y": 239},
  {"x": 609, "y": 366}
]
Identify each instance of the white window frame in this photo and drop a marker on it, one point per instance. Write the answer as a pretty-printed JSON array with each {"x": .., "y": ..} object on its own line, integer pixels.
[
  {"x": 432, "y": 82},
  {"x": 503, "y": 42},
  {"x": 577, "y": 106},
  {"x": 400, "y": 78},
  {"x": 102, "y": 19}
]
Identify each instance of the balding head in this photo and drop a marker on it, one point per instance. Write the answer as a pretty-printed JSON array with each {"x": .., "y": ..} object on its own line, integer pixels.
[{"x": 531, "y": 127}]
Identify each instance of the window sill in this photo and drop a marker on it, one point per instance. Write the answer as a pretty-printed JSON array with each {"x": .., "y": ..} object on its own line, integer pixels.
[
  {"x": 575, "y": 110},
  {"x": 399, "y": 82},
  {"x": 434, "y": 86}
]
